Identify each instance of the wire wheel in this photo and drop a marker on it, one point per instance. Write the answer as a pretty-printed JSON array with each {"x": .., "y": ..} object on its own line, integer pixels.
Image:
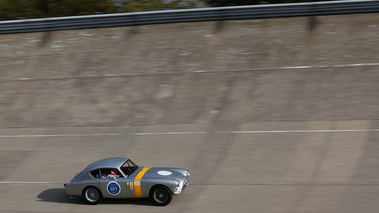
[
  {"x": 161, "y": 196},
  {"x": 92, "y": 195}
]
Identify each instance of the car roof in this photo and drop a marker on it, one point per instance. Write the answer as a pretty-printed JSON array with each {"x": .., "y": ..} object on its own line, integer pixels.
[{"x": 107, "y": 163}]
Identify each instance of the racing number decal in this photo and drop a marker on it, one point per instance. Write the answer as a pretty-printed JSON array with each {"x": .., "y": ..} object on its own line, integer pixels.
[
  {"x": 113, "y": 188},
  {"x": 137, "y": 182}
]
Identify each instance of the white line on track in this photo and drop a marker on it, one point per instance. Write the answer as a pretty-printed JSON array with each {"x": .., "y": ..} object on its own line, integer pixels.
[
  {"x": 59, "y": 135},
  {"x": 191, "y": 133},
  {"x": 221, "y": 184},
  {"x": 306, "y": 131},
  {"x": 197, "y": 71},
  {"x": 27, "y": 182}
]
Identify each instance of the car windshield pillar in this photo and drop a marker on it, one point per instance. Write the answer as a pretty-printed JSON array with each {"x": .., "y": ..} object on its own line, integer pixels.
[{"x": 128, "y": 168}]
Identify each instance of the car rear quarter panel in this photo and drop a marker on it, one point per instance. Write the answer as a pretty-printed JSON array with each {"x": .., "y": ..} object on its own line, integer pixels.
[
  {"x": 78, "y": 183},
  {"x": 75, "y": 189}
]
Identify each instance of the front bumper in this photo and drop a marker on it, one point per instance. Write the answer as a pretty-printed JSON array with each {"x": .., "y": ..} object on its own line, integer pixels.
[{"x": 181, "y": 186}]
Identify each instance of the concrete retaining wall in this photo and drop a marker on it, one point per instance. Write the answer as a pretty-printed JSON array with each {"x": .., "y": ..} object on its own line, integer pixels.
[{"x": 231, "y": 71}]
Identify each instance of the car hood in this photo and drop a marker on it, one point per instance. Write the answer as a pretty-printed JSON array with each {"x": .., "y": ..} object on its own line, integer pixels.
[{"x": 166, "y": 172}]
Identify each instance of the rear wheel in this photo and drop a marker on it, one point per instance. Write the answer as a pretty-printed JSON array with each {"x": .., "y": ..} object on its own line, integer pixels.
[
  {"x": 92, "y": 195},
  {"x": 161, "y": 195}
]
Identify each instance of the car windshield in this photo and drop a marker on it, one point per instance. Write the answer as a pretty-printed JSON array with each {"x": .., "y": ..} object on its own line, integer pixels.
[{"x": 129, "y": 167}]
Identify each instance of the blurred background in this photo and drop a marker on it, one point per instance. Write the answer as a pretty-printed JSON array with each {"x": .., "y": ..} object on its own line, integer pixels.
[
  {"x": 269, "y": 115},
  {"x": 27, "y": 9}
]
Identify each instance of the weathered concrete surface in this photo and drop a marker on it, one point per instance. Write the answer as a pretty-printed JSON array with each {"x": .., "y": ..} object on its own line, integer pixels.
[
  {"x": 281, "y": 95},
  {"x": 157, "y": 79},
  {"x": 231, "y": 169},
  {"x": 273, "y": 115},
  {"x": 228, "y": 45}
]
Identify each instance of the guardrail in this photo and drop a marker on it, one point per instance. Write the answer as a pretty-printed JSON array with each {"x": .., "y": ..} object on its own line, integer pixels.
[{"x": 190, "y": 15}]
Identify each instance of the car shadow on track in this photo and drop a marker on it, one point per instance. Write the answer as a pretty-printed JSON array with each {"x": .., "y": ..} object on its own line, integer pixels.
[{"x": 59, "y": 195}]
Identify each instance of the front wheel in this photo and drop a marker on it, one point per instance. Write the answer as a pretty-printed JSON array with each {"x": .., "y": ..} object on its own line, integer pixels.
[
  {"x": 161, "y": 195},
  {"x": 92, "y": 195}
]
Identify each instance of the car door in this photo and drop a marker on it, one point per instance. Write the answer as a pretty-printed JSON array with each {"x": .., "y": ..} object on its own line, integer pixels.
[{"x": 114, "y": 187}]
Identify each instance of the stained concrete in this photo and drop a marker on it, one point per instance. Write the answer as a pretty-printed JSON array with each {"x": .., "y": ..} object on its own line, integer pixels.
[{"x": 269, "y": 115}]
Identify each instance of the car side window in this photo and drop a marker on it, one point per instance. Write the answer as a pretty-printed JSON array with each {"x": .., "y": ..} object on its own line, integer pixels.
[
  {"x": 110, "y": 173},
  {"x": 95, "y": 173},
  {"x": 106, "y": 173}
]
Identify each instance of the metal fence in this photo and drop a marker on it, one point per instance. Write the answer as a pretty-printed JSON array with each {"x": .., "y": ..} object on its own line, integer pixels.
[{"x": 190, "y": 15}]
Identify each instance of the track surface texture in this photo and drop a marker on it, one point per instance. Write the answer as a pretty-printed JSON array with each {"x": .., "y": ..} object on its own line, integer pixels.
[{"x": 269, "y": 115}]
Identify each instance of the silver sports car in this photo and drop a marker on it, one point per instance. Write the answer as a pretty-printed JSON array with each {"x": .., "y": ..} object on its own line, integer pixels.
[{"x": 122, "y": 178}]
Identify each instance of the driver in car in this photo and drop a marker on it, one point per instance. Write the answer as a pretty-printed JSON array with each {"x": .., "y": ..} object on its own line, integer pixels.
[{"x": 112, "y": 174}]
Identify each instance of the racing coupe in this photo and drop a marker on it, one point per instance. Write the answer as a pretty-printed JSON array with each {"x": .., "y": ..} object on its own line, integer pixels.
[{"x": 122, "y": 178}]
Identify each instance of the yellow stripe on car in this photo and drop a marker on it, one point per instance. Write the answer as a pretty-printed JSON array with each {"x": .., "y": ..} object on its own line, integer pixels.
[{"x": 137, "y": 182}]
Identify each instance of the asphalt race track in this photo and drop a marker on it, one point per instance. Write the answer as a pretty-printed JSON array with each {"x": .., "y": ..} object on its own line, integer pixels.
[
  {"x": 314, "y": 166},
  {"x": 258, "y": 131}
]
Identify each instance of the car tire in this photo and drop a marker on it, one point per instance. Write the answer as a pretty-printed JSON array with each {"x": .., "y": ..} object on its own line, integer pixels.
[
  {"x": 92, "y": 195},
  {"x": 160, "y": 195}
]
